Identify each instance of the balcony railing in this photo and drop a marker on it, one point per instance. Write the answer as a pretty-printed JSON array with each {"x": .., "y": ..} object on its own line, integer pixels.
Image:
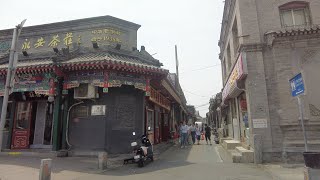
[{"x": 159, "y": 99}]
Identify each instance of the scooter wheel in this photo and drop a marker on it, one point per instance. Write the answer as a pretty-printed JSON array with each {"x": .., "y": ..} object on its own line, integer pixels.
[{"x": 140, "y": 163}]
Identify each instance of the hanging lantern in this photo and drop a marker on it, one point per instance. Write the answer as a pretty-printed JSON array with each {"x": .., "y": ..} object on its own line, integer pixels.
[
  {"x": 243, "y": 105},
  {"x": 148, "y": 87},
  {"x": 105, "y": 84},
  {"x": 52, "y": 87}
]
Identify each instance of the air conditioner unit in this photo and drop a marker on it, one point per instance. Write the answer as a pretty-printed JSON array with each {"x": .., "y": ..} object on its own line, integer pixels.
[{"x": 85, "y": 91}]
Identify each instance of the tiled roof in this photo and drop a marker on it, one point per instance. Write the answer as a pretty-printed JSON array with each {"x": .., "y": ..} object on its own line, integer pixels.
[
  {"x": 298, "y": 31},
  {"x": 100, "y": 59},
  {"x": 2, "y": 55},
  {"x": 30, "y": 63}
]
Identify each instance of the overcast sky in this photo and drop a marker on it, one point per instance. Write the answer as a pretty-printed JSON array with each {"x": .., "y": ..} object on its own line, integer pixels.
[{"x": 193, "y": 25}]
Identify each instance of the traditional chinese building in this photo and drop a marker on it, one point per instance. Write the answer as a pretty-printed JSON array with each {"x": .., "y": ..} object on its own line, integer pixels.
[{"x": 82, "y": 85}]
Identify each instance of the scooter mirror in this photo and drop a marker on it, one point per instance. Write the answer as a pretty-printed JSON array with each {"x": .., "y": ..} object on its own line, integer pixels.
[{"x": 134, "y": 133}]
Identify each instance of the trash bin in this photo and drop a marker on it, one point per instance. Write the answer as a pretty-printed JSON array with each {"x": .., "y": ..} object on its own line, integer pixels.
[{"x": 312, "y": 159}]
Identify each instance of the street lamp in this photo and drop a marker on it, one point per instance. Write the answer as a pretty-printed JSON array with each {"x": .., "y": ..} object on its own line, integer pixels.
[{"x": 13, "y": 60}]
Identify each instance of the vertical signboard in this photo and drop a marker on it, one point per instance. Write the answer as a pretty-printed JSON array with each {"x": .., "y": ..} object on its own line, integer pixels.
[
  {"x": 297, "y": 88},
  {"x": 297, "y": 85}
]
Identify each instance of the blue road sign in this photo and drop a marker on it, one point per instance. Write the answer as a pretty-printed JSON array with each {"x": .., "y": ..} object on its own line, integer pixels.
[{"x": 297, "y": 86}]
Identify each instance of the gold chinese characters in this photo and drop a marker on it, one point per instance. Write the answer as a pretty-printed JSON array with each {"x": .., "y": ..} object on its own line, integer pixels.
[
  {"x": 106, "y": 38},
  {"x": 106, "y": 31},
  {"x": 53, "y": 42},
  {"x": 40, "y": 42},
  {"x": 26, "y": 45}
]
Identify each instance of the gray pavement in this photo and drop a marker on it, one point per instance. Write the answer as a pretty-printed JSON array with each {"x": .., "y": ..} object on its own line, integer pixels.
[{"x": 199, "y": 162}]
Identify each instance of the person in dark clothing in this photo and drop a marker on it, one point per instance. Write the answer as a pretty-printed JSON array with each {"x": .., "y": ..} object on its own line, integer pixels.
[{"x": 207, "y": 130}]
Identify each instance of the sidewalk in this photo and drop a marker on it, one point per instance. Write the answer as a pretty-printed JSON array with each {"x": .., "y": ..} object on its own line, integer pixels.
[
  {"x": 16, "y": 165},
  {"x": 284, "y": 171},
  {"x": 278, "y": 171}
]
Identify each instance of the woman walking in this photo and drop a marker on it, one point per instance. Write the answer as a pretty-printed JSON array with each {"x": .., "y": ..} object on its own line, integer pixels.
[
  {"x": 198, "y": 133},
  {"x": 193, "y": 133}
]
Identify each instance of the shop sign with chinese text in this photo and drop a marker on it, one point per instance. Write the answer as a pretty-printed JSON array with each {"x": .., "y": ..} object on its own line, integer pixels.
[
  {"x": 71, "y": 39},
  {"x": 238, "y": 72}
]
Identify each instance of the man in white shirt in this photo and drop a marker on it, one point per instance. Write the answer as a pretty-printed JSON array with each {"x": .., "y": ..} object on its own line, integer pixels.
[{"x": 184, "y": 134}]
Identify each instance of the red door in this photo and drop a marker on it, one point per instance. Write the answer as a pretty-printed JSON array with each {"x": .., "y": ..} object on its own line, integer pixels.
[
  {"x": 150, "y": 124},
  {"x": 165, "y": 129},
  {"x": 157, "y": 128},
  {"x": 22, "y": 123}
]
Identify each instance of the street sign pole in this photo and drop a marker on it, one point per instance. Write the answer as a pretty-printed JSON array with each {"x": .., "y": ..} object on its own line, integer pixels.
[
  {"x": 301, "y": 110},
  {"x": 13, "y": 59},
  {"x": 297, "y": 90}
]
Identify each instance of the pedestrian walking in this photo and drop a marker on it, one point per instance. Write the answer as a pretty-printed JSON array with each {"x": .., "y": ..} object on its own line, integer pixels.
[
  {"x": 193, "y": 133},
  {"x": 180, "y": 132},
  {"x": 207, "y": 130},
  {"x": 198, "y": 133},
  {"x": 189, "y": 134},
  {"x": 184, "y": 134}
]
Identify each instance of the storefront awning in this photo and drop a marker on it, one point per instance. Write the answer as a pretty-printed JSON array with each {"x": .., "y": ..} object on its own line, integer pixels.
[{"x": 238, "y": 73}]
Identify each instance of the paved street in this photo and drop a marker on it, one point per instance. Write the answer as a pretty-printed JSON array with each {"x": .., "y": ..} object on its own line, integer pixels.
[{"x": 197, "y": 162}]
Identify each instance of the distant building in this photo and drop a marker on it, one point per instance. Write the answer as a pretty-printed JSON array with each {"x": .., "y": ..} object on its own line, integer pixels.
[
  {"x": 262, "y": 45},
  {"x": 213, "y": 116},
  {"x": 191, "y": 114}
]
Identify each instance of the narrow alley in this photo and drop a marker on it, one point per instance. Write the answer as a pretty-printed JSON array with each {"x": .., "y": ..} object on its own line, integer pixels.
[{"x": 196, "y": 162}]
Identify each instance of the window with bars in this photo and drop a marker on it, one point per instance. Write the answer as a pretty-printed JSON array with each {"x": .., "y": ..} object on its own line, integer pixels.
[{"x": 295, "y": 14}]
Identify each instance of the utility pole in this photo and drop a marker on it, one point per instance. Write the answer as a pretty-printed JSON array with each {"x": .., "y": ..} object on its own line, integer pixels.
[
  {"x": 177, "y": 62},
  {"x": 13, "y": 60}
]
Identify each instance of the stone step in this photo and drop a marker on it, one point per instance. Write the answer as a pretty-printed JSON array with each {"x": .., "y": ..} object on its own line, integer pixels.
[
  {"x": 247, "y": 156},
  {"x": 230, "y": 144},
  {"x": 236, "y": 157}
]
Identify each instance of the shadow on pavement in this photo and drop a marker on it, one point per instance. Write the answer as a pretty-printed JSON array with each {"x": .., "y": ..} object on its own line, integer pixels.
[{"x": 173, "y": 157}]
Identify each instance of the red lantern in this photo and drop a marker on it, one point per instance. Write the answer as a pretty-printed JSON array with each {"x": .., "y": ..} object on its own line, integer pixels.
[
  {"x": 243, "y": 105},
  {"x": 147, "y": 87},
  {"x": 52, "y": 87}
]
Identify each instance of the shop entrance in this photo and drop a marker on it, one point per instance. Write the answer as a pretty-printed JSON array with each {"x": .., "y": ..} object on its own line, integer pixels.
[
  {"x": 22, "y": 126},
  {"x": 42, "y": 137},
  {"x": 32, "y": 125}
]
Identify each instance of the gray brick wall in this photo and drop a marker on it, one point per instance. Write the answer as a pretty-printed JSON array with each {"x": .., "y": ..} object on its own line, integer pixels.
[{"x": 270, "y": 68}]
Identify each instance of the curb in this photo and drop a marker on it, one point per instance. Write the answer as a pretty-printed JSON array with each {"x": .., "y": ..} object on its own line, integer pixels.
[{"x": 29, "y": 154}]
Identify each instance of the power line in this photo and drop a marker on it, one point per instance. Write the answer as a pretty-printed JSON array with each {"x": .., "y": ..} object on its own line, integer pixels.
[
  {"x": 207, "y": 108},
  {"x": 196, "y": 94},
  {"x": 202, "y": 105},
  {"x": 203, "y": 68}
]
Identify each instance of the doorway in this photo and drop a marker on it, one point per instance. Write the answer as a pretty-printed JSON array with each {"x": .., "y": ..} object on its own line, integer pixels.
[
  {"x": 32, "y": 125},
  {"x": 22, "y": 126},
  {"x": 42, "y": 136}
]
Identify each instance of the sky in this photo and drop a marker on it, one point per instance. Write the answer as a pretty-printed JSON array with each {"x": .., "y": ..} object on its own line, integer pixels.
[{"x": 192, "y": 25}]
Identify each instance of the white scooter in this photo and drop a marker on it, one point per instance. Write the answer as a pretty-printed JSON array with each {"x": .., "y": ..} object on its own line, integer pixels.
[{"x": 142, "y": 153}]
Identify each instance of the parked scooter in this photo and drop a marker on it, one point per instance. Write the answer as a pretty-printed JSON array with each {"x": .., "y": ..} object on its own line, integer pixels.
[{"x": 143, "y": 152}]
